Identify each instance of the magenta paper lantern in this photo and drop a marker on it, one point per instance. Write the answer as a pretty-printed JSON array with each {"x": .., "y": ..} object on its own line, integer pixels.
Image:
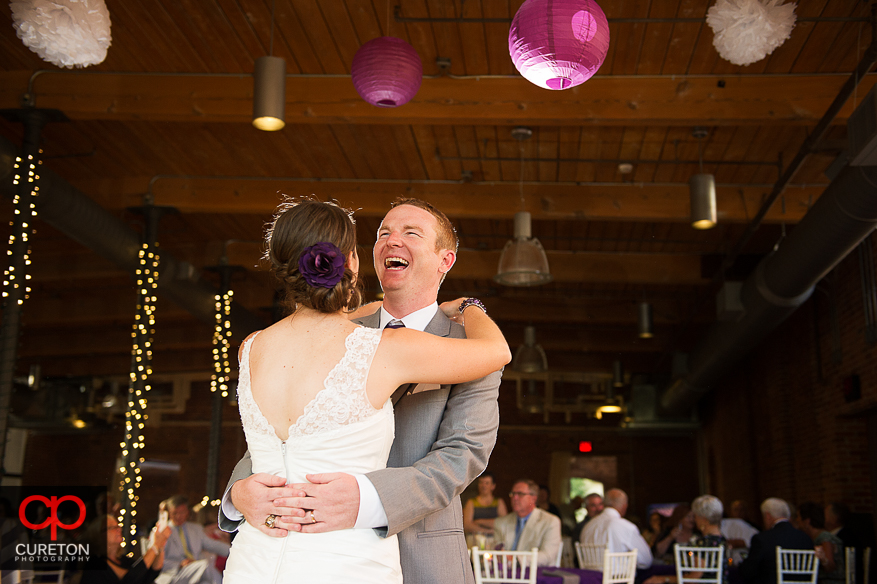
[
  {"x": 386, "y": 72},
  {"x": 558, "y": 44}
]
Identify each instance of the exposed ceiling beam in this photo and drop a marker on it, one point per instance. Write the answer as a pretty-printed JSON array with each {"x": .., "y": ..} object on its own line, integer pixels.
[
  {"x": 670, "y": 100},
  {"x": 601, "y": 201}
]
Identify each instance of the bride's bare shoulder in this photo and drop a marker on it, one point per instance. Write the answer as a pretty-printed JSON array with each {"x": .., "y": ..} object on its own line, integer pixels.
[{"x": 247, "y": 340}]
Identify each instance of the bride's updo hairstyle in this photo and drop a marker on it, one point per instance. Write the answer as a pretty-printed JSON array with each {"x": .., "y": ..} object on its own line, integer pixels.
[{"x": 297, "y": 226}]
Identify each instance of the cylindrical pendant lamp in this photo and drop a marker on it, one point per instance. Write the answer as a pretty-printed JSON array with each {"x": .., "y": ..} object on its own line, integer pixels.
[
  {"x": 269, "y": 93},
  {"x": 617, "y": 374},
  {"x": 702, "y": 188},
  {"x": 644, "y": 326}
]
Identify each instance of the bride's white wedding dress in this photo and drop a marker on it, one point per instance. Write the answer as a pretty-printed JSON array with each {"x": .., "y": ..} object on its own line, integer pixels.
[{"x": 339, "y": 431}]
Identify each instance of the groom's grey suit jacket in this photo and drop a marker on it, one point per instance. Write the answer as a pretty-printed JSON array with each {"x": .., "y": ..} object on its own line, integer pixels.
[{"x": 443, "y": 440}]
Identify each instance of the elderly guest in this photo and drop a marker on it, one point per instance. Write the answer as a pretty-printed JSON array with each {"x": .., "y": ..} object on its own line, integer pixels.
[
  {"x": 528, "y": 527},
  {"x": 611, "y": 530},
  {"x": 760, "y": 566},
  {"x": 707, "y": 511}
]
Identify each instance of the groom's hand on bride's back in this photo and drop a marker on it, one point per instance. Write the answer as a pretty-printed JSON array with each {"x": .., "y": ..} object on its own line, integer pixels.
[
  {"x": 331, "y": 503},
  {"x": 259, "y": 496}
]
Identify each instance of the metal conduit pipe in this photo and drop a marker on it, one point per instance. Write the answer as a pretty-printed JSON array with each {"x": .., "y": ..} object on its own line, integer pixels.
[
  {"x": 839, "y": 220},
  {"x": 62, "y": 206}
]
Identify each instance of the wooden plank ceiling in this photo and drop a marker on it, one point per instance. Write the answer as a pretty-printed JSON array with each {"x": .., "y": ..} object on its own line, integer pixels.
[{"x": 168, "y": 114}]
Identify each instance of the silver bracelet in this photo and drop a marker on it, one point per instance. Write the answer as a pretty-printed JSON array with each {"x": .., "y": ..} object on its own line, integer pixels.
[{"x": 472, "y": 302}]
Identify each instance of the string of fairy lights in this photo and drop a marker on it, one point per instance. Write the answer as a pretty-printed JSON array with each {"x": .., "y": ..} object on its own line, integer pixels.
[
  {"x": 138, "y": 388},
  {"x": 221, "y": 377},
  {"x": 16, "y": 281},
  {"x": 16, "y": 289}
]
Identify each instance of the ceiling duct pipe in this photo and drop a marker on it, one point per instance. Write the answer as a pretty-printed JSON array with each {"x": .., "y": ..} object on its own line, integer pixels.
[
  {"x": 840, "y": 219},
  {"x": 77, "y": 216}
]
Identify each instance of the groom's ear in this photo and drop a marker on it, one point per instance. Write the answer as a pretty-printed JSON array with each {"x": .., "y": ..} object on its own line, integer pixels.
[{"x": 449, "y": 258}]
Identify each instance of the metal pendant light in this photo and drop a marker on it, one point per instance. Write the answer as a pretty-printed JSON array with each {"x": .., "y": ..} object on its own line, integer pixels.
[
  {"x": 702, "y": 188},
  {"x": 523, "y": 261},
  {"x": 269, "y": 89},
  {"x": 530, "y": 357}
]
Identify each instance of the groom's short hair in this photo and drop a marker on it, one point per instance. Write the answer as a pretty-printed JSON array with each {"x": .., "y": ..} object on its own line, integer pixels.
[{"x": 446, "y": 235}]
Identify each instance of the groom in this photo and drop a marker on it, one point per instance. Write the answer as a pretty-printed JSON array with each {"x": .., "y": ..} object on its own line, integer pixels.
[{"x": 443, "y": 437}]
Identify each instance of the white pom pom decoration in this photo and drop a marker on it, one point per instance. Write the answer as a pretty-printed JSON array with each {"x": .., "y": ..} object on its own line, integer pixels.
[
  {"x": 747, "y": 31},
  {"x": 66, "y": 33}
]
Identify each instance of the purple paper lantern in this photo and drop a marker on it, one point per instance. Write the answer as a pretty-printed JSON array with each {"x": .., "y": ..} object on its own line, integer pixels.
[
  {"x": 386, "y": 72},
  {"x": 558, "y": 44}
]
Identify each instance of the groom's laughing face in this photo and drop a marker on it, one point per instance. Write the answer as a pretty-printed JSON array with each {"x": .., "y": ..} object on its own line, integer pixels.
[{"x": 406, "y": 255}]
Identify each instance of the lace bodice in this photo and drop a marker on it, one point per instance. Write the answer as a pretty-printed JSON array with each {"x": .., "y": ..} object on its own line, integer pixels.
[{"x": 342, "y": 401}]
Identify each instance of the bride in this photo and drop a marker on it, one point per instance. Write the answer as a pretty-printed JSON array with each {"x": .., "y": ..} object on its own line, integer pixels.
[{"x": 314, "y": 393}]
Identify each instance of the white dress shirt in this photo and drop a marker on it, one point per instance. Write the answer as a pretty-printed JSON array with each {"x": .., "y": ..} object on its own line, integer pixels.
[{"x": 618, "y": 534}]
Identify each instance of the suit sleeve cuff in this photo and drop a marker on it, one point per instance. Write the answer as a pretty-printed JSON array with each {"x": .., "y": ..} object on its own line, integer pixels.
[
  {"x": 228, "y": 508},
  {"x": 371, "y": 512}
]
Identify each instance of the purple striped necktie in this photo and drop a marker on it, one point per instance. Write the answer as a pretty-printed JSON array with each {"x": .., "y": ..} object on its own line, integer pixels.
[{"x": 394, "y": 324}]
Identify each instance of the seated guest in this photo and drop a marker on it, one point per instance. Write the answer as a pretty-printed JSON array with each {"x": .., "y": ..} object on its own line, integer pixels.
[
  {"x": 654, "y": 528},
  {"x": 118, "y": 568},
  {"x": 738, "y": 531},
  {"x": 617, "y": 534},
  {"x": 593, "y": 507},
  {"x": 760, "y": 566},
  {"x": 481, "y": 511},
  {"x": 707, "y": 515},
  {"x": 680, "y": 528},
  {"x": 829, "y": 547},
  {"x": 528, "y": 527},
  {"x": 187, "y": 540},
  {"x": 543, "y": 501}
]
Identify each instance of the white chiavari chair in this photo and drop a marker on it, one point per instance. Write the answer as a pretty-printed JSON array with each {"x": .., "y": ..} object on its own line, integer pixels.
[
  {"x": 699, "y": 564},
  {"x": 619, "y": 568},
  {"x": 795, "y": 564},
  {"x": 850, "y": 565},
  {"x": 590, "y": 555},
  {"x": 505, "y": 566}
]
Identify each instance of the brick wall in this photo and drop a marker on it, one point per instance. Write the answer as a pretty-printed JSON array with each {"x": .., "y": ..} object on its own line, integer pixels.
[{"x": 779, "y": 424}]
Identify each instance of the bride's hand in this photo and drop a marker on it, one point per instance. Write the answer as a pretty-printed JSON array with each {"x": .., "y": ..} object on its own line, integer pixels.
[{"x": 451, "y": 309}]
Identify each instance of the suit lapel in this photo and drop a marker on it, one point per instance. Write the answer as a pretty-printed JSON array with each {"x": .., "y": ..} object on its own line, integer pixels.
[
  {"x": 440, "y": 325},
  {"x": 370, "y": 321}
]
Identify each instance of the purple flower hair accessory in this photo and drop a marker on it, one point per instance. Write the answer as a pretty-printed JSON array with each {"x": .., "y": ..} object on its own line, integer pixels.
[{"x": 322, "y": 265}]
